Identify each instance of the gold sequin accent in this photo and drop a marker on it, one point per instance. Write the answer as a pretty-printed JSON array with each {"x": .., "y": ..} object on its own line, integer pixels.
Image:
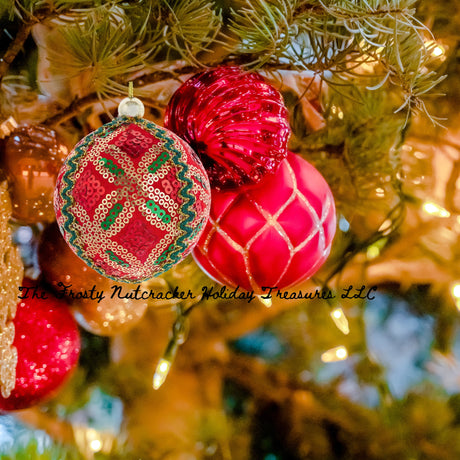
[{"x": 12, "y": 271}]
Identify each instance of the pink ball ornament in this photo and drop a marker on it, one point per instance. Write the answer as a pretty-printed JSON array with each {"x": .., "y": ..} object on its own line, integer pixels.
[
  {"x": 276, "y": 234},
  {"x": 235, "y": 121},
  {"x": 132, "y": 199}
]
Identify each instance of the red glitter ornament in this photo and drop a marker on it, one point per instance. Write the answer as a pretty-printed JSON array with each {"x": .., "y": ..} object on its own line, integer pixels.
[
  {"x": 48, "y": 345},
  {"x": 235, "y": 121},
  {"x": 276, "y": 234}
]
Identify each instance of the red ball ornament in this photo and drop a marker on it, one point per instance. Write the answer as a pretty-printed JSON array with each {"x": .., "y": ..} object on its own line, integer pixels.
[
  {"x": 276, "y": 234},
  {"x": 235, "y": 121},
  {"x": 48, "y": 345},
  {"x": 132, "y": 198}
]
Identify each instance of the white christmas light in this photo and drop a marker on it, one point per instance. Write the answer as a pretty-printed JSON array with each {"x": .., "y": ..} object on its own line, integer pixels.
[
  {"x": 435, "y": 210},
  {"x": 161, "y": 372},
  {"x": 456, "y": 290},
  {"x": 438, "y": 51},
  {"x": 95, "y": 445},
  {"x": 339, "y": 353},
  {"x": 337, "y": 111},
  {"x": 340, "y": 320},
  {"x": 266, "y": 301},
  {"x": 456, "y": 294},
  {"x": 386, "y": 227}
]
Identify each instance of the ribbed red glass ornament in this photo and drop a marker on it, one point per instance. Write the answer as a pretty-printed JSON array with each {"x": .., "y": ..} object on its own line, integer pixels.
[{"x": 235, "y": 121}]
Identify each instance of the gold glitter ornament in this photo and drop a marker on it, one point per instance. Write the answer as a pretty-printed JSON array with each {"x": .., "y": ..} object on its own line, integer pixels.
[
  {"x": 11, "y": 270},
  {"x": 110, "y": 316}
]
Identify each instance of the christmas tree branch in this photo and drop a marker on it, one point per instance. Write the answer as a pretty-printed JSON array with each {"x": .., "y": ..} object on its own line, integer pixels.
[
  {"x": 15, "y": 47},
  {"x": 301, "y": 400},
  {"x": 81, "y": 104},
  {"x": 156, "y": 76},
  {"x": 29, "y": 19},
  {"x": 73, "y": 109},
  {"x": 21, "y": 36},
  {"x": 261, "y": 380},
  {"x": 336, "y": 36}
]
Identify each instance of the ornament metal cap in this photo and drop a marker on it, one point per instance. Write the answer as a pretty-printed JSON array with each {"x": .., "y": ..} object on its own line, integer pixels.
[{"x": 131, "y": 106}]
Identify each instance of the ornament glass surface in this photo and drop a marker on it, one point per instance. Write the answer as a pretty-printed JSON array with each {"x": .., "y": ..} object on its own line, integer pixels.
[
  {"x": 60, "y": 266},
  {"x": 132, "y": 199},
  {"x": 235, "y": 121},
  {"x": 109, "y": 316},
  {"x": 276, "y": 234},
  {"x": 48, "y": 346},
  {"x": 32, "y": 158}
]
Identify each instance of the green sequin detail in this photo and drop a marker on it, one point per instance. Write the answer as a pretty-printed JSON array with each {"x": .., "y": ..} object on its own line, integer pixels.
[
  {"x": 114, "y": 258},
  {"x": 158, "y": 211},
  {"x": 112, "y": 215},
  {"x": 112, "y": 167},
  {"x": 165, "y": 253},
  {"x": 159, "y": 162}
]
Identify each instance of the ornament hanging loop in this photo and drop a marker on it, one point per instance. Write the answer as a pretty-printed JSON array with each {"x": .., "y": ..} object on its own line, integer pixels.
[{"x": 131, "y": 106}]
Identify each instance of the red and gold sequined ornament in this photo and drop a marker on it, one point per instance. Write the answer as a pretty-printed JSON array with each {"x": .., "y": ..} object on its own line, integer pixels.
[
  {"x": 48, "y": 345},
  {"x": 276, "y": 234},
  {"x": 32, "y": 157},
  {"x": 132, "y": 198},
  {"x": 235, "y": 121}
]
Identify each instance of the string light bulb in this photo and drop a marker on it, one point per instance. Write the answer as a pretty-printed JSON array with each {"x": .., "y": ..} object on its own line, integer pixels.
[
  {"x": 340, "y": 320},
  {"x": 434, "y": 209},
  {"x": 386, "y": 227},
  {"x": 455, "y": 290},
  {"x": 91, "y": 441},
  {"x": 337, "y": 111},
  {"x": 339, "y": 353},
  {"x": 95, "y": 445},
  {"x": 267, "y": 301},
  {"x": 161, "y": 372},
  {"x": 438, "y": 51},
  {"x": 165, "y": 362},
  {"x": 435, "y": 49},
  {"x": 372, "y": 252}
]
